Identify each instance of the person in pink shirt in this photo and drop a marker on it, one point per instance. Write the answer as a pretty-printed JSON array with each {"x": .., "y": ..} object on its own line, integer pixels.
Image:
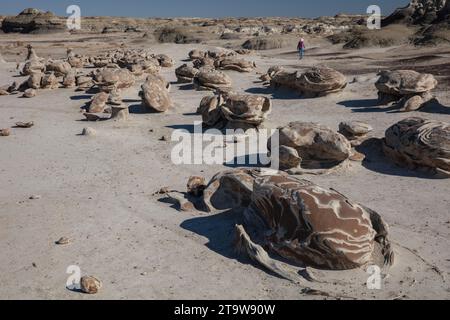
[{"x": 301, "y": 48}]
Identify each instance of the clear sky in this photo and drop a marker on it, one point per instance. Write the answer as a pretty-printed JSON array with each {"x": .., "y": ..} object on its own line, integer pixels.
[{"x": 203, "y": 8}]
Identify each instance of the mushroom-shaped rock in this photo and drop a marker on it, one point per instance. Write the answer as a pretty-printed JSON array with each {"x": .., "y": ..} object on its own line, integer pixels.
[
  {"x": 49, "y": 81},
  {"x": 218, "y": 53},
  {"x": 34, "y": 81},
  {"x": 234, "y": 111},
  {"x": 245, "y": 111},
  {"x": 235, "y": 64},
  {"x": 212, "y": 80},
  {"x": 84, "y": 82},
  {"x": 115, "y": 98},
  {"x": 210, "y": 110},
  {"x": 6, "y": 132},
  {"x": 74, "y": 60},
  {"x": 420, "y": 143},
  {"x": 315, "y": 82},
  {"x": 29, "y": 93},
  {"x": 243, "y": 51},
  {"x": 306, "y": 147},
  {"x": 185, "y": 73},
  {"x": 321, "y": 81},
  {"x": 318, "y": 227},
  {"x": 155, "y": 94},
  {"x": 60, "y": 68},
  {"x": 409, "y": 89},
  {"x": 109, "y": 79},
  {"x": 32, "y": 66}
]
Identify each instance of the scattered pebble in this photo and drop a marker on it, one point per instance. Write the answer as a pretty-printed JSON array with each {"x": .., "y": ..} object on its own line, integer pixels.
[
  {"x": 163, "y": 138},
  {"x": 35, "y": 197},
  {"x": 196, "y": 185},
  {"x": 25, "y": 125},
  {"x": 89, "y": 132},
  {"x": 63, "y": 241},
  {"x": 90, "y": 285},
  {"x": 5, "y": 132}
]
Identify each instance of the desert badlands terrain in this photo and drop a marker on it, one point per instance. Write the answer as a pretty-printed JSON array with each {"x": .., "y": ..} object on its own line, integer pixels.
[{"x": 109, "y": 190}]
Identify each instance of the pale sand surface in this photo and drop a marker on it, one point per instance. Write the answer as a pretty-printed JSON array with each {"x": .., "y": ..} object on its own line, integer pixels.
[{"x": 98, "y": 191}]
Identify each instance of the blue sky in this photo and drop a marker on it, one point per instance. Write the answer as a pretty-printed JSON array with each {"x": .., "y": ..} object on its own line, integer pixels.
[{"x": 203, "y": 8}]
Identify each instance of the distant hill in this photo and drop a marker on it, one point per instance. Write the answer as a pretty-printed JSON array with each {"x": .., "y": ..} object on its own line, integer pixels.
[{"x": 421, "y": 12}]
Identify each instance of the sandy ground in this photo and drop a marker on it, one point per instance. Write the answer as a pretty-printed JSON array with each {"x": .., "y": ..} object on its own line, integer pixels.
[{"x": 98, "y": 191}]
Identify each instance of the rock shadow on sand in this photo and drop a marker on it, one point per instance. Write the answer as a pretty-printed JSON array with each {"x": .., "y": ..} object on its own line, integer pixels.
[
  {"x": 219, "y": 229},
  {"x": 378, "y": 162},
  {"x": 279, "y": 93},
  {"x": 372, "y": 105},
  {"x": 367, "y": 105}
]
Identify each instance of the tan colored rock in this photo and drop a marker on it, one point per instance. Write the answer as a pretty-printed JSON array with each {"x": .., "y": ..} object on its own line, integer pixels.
[
  {"x": 235, "y": 64},
  {"x": 34, "y": 81},
  {"x": 84, "y": 82},
  {"x": 31, "y": 67},
  {"x": 311, "y": 148},
  {"x": 419, "y": 143},
  {"x": 109, "y": 79},
  {"x": 70, "y": 79},
  {"x": 120, "y": 113},
  {"x": 155, "y": 94},
  {"x": 197, "y": 54},
  {"x": 49, "y": 81},
  {"x": 196, "y": 185},
  {"x": 212, "y": 80},
  {"x": 5, "y": 132},
  {"x": 74, "y": 60},
  {"x": 90, "y": 285},
  {"x": 210, "y": 110},
  {"x": 115, "y": 98},
  {"x": 98, "y": 102},
  {"x": 185, "y": 73},
  {"x": 97, "y": 116},
  {"x": 25, "y": 125},
  {"x": 409, "y": 89},
  {"x": 245, "y": 110},
  {"x": 29, "y": 93},
  {"x": 59, "y": 68},
  {"x": 301, "y": 235}
]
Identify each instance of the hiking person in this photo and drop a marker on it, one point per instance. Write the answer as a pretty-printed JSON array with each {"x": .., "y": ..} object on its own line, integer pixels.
[{"x": 301, "y": 48}]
